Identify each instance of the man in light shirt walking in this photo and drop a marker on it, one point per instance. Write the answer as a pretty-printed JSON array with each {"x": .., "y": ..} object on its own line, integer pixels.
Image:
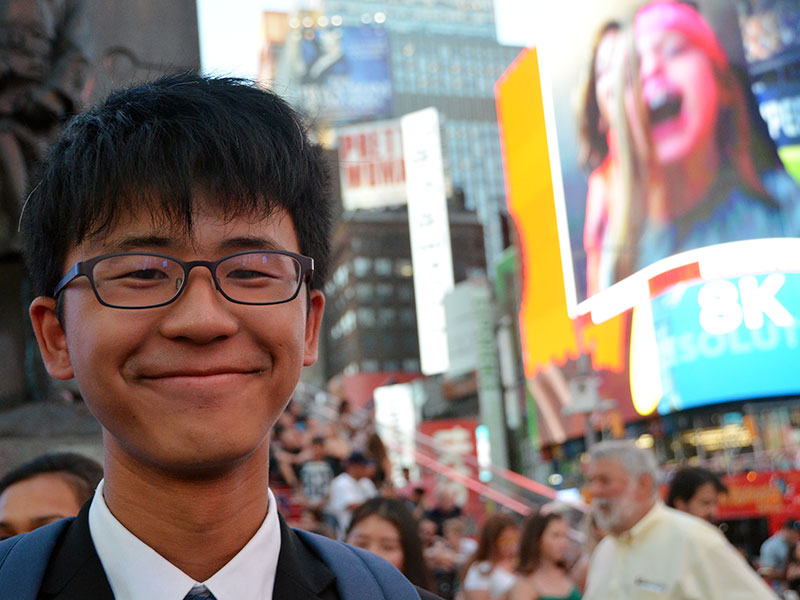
[{"x": 651, "y": 550}]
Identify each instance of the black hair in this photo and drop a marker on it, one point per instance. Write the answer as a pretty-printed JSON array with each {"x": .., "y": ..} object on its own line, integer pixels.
[
  {"x": 791, "y": 524},
  {"x": 686, "y": 481},
  {"x": 492, "y": 529},
  {"x": 80, "y": 472},
  {"x": 593, "y": 146},
  {"x": 146, "y": 150},
  {"x": 395, "y": 511},
  {"x": 530, "y": 542}
]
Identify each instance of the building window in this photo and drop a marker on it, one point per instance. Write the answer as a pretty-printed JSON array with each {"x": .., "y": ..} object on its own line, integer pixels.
[
  {"x": 405, "y": 292},
  {"x": 403, "y": 268},
  {"x": 364, "y": 292},
  {"x": 361, "y": 266},
  {"x": 386, "y": 316},
  {"x": 384, "y": 290},
  {"x": 383, "y": 266},
  {"x": 344, "y": 326},
  {"x": 351, "y": 369},
  {"x": 366, "y": 316},
  {"x": 370, "y": 365},
  {"x": 341, "y": 275},
  {"x": 369, "y": 342},
  {"x": 410, "y": 364}
]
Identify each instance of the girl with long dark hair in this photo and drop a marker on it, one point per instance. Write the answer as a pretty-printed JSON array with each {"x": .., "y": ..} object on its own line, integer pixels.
[
  {"x": 490, "y": 571},
  {"x": 542, "y": 566},
  {"x": 384, "y": 526}
]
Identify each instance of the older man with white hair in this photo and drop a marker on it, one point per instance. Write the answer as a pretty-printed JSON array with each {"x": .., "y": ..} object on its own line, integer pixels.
[{"x": 653, "y": 551}]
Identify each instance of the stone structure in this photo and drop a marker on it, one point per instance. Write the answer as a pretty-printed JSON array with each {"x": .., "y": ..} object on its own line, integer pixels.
[{"x": 55, "y": 56}]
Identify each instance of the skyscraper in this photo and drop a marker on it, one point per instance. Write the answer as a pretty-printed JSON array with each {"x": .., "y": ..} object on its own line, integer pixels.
[
  {"x": 444, "y": 53},
  {"x": 440, "y": 53}
]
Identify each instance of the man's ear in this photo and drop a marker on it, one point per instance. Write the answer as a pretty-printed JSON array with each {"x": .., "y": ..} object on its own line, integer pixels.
[
  {"x": 51, "y": 338},
  {"x": 647, "y": 485},
  {"x": 316, "y": 307}
]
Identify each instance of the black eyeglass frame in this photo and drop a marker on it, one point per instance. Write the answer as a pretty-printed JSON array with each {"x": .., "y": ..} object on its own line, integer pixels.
[{"x": 85, "y": 268}]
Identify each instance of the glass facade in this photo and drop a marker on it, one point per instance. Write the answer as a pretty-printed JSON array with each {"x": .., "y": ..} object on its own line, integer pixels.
[
  {"x": 370, "y": 319},
  {"x": 444, "y": 54}
]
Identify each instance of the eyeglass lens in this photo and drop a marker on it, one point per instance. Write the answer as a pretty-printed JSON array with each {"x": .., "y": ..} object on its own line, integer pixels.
[{"x": 133, "y": 280}]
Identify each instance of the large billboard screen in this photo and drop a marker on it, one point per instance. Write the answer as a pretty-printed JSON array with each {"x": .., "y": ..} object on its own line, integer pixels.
[
  {"x": 666, "y": 143},
  {"x": 336, "y": 74},
  {"x": 714, "y": 316}
]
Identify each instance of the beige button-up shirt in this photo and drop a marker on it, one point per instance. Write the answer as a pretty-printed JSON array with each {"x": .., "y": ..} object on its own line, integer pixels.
[{"x": 671, "y": 555}]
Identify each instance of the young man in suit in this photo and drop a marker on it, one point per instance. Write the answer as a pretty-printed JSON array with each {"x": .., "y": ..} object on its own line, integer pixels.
[{"x": 179, "y": 240}]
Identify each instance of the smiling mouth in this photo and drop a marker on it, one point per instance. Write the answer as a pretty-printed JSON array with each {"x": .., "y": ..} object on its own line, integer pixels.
[
  {"x": 200, "y": 375},
  {"x": 663, "y": 107}
]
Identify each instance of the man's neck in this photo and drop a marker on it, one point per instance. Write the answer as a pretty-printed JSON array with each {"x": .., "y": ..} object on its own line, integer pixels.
[{"x": 176, "y": 516}]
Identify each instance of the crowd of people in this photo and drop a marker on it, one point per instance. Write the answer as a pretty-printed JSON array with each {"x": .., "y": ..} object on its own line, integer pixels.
[
  {"x": 190, "y": 375},
  {"x": 630, "y": 540}
]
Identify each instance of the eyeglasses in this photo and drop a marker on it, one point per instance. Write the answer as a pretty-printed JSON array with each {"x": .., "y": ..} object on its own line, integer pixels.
[{"x": 148, "y": 280}]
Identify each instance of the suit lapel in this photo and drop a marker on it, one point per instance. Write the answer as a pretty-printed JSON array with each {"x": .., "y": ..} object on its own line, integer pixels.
[
  {"x": 300, "y": 574},
  {"x": 75, "y": 571}
]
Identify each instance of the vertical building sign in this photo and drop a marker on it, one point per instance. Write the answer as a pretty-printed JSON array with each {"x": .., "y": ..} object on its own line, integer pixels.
[
  {"x": 429, "y": 231},
  {"x": 490, "y": 392},
  {"x": 395, "y": 420}
]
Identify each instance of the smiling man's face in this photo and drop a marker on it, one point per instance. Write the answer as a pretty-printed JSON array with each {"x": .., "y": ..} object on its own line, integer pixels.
[
  {"x": 196, "y": 384},
  {"x": 618, "y": 500}
]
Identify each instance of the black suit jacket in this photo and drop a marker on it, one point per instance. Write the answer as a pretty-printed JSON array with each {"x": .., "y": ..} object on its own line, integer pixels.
[{"x": 75, "y": 571}]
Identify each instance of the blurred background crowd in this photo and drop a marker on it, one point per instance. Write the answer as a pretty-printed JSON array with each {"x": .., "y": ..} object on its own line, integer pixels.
[{"x": 331, "y": 475}]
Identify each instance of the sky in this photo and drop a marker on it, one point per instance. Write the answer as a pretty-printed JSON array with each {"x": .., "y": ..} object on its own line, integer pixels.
[{"x": 229, "y": 31}]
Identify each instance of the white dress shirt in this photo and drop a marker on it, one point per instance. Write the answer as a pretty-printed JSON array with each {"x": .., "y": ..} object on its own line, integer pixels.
[
  {"x": 136, "y": 571},
  {"x": 671, "y": 555},
  {"x": 345, "y": 491}
]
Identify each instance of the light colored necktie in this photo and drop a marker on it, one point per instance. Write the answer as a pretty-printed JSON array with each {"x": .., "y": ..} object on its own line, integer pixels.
[{"x": 199, "y": 592}]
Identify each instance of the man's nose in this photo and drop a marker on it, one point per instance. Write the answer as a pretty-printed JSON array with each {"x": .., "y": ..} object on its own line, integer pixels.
[{"x": 201, "y": 313}]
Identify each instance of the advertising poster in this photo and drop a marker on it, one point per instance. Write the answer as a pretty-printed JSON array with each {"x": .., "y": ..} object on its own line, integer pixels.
[
  {"x": 371, "y": 167},
  {"x": 456, "y": 447},
  {"x": 336, "y": 74},
  {"x": 708, "y": 307},
  {"x": 668, "y": 142}
]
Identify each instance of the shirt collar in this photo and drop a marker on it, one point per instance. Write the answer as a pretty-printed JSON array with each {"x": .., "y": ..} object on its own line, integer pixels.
[
  {"x": 644, "y": 524},
  {"x": 135, "y": 570}
]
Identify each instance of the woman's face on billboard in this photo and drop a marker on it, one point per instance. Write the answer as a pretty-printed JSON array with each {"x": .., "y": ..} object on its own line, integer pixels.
[{"x": 681, "y": 94}]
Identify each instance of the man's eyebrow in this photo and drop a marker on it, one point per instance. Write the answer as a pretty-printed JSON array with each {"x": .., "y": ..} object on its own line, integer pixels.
[
  {"x": 249, "y": 243},
  {"x": 232, "y": 244},
  {"x": 140, "y": 241}
]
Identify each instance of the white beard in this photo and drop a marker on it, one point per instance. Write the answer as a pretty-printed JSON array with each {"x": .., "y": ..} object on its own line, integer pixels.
[{"x": 612, "y": 514}]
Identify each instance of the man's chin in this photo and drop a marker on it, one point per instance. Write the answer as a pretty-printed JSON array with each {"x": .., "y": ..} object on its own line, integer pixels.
[{"x": 604, "y": 519}]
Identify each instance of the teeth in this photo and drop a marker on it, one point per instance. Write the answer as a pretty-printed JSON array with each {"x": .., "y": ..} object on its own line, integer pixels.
[
  {"x": 663, "y": 106},
  {"x": 657, "y": 100}
]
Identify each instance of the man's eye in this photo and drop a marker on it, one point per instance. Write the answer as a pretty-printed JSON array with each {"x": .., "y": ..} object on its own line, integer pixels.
[
  {"x": 144, "y": 274},
  {"x": 249, "y": 274}
]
